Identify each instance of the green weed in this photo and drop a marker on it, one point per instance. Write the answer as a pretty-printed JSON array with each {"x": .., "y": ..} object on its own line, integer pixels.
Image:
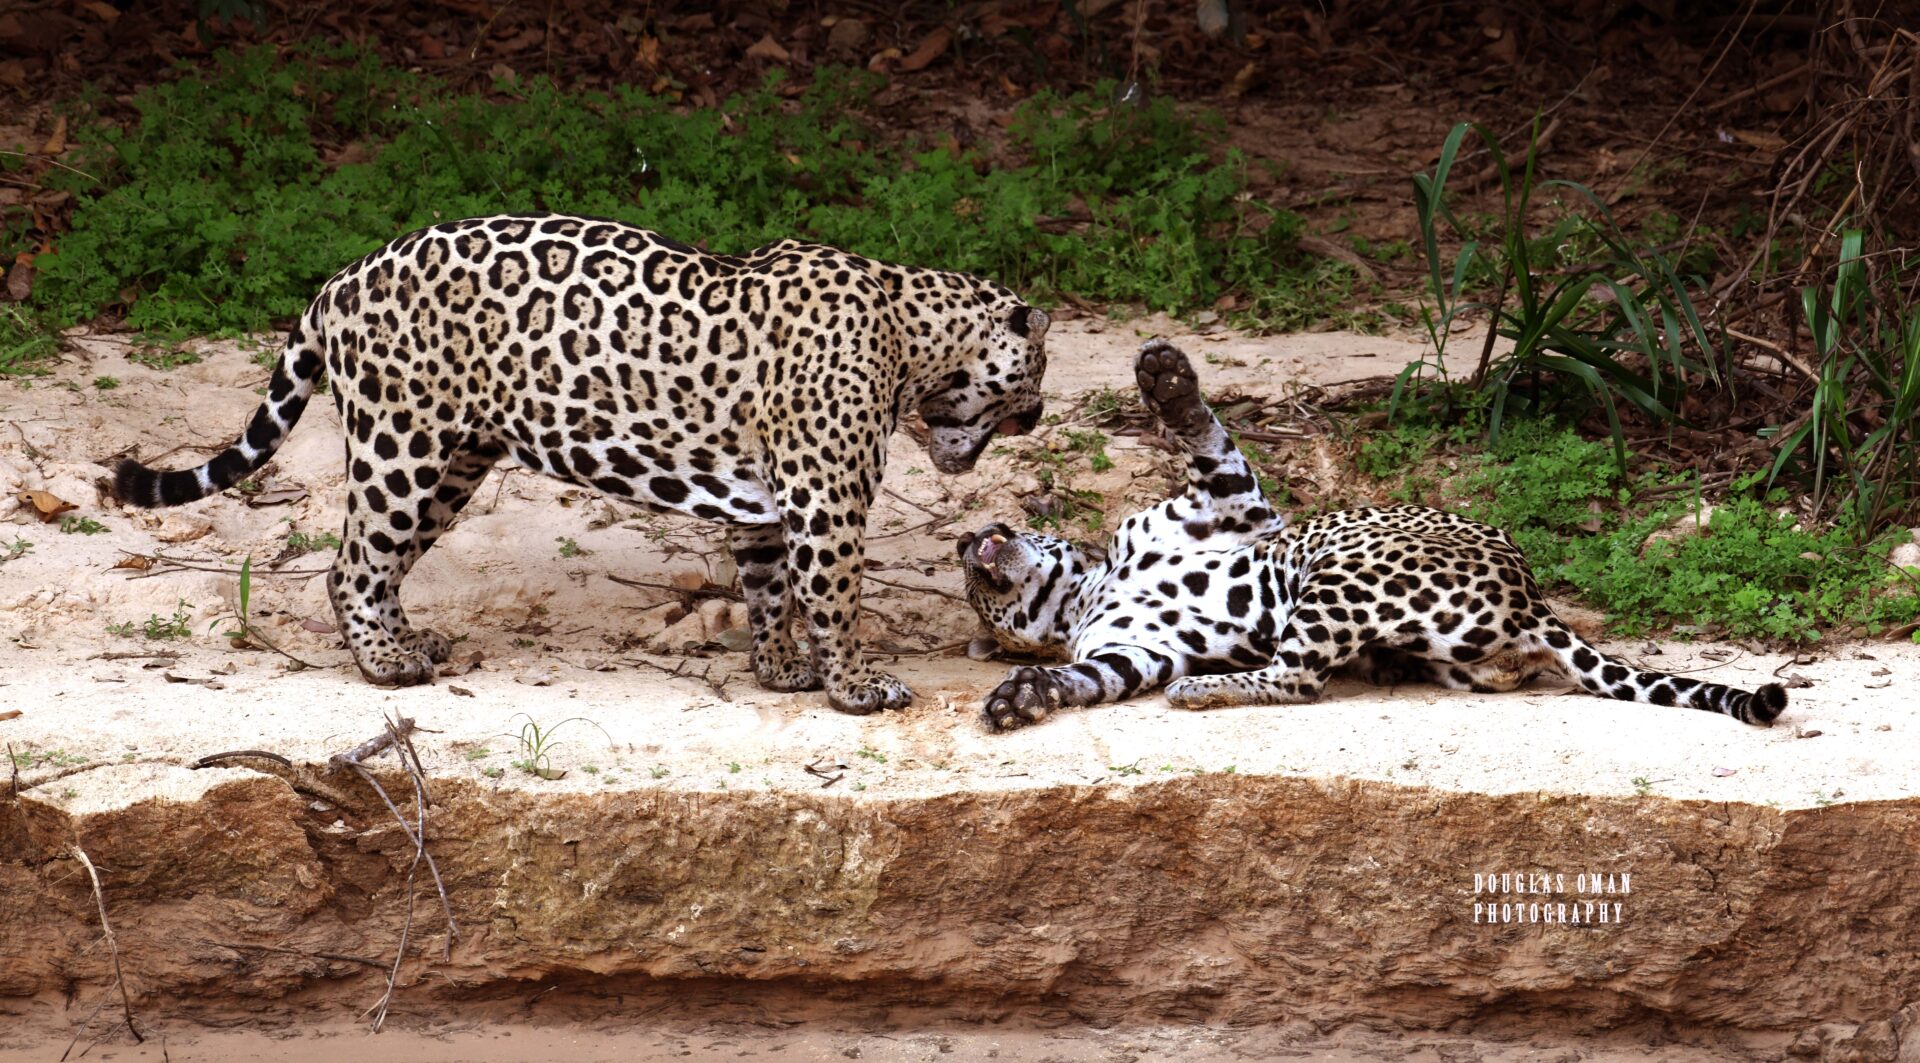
[
  {"x": 71, "y": 525},
  {"x": 570, "y": 549},
  {"x": 309, "y": 543},
  {"x": 106, "y": 383}
]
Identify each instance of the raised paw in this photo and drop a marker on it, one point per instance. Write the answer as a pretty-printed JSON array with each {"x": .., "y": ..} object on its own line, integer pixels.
[
  {"x": 397, "y": 668},
  {"x": 872, "y": 694},
  {"x": 1024, "y": 697},
  {"x": 1169, "y": 388}
]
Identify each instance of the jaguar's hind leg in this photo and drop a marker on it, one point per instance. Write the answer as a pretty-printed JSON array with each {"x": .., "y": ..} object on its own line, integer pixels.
[
  {"x": 760, "y": 553},
  {"x": 395, "y": 510},
  {"x": 1223, "y": 495},
  {"x": 449, "y": 495}
]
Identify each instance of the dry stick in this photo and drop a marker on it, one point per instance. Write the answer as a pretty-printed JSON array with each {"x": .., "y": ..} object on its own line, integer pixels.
[
  {"x": 1772, "y": 82},
  {"x": 910, "y": 587},
  {"x": 113, "y": 949}
]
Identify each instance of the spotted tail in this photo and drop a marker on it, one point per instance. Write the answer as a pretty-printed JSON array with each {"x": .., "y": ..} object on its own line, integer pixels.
[
  {"x": 293, "y": 381},
  {"x": 1600, "y": 674}
]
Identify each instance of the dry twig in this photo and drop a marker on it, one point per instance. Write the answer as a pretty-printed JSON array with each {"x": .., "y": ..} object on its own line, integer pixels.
[{"x": 113, "y": 950}]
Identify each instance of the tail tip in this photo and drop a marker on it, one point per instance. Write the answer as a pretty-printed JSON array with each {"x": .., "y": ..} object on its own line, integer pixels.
[
  {"x": 1767, "y": 704},
  {"x": 135, "y": 483}
]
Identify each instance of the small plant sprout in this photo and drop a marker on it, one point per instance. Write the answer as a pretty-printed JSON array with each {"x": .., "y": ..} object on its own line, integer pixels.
[
  {"x": 537, "y": 743},
  {"x": 173, "y": 627},
  {"x": 70, "y": 525},
  {"x": 244, "y": 634},
  {"x": 569, "y": 548}
]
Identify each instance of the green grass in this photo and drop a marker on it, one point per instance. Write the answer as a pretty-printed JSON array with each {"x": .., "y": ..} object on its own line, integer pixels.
[
  {"x": 220, "y": 206},
  {"x": 1754, "y": 572},
  {"x": 71, "y": 525}
]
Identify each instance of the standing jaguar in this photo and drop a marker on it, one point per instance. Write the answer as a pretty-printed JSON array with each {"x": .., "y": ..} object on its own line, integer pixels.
[
  {"x": 1215, "y": 596},
  {"x": 755, "y": 391}
]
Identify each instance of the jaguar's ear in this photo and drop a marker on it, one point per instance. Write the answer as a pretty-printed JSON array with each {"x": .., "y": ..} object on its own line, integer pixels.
[
  {"x": 966, "y": 541},
  {"x": 1095, "y": 554},
  {"x": 1029, "y": 322}
]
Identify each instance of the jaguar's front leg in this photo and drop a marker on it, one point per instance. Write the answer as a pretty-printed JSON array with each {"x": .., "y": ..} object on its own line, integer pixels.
[
  {"x": 1029, "y": 694},
  {"x": 825, "y": 540},
  {"x": 760, "y": 553}
]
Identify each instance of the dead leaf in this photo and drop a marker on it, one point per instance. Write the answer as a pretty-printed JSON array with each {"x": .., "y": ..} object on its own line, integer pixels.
[
  {"x": 737, "y": 639},
  {"x": 931, "y": 46},
  {"x": 1767, "y": 142},
  {"x": 1810, "y": 734},
  {"x": 535, "y": 677},
  {"x": 20, "y": 278},
  {"x": 137, "y": 562},
  {"x": 103, "y": 11},
  {"x": 45, "y": 505},
  {"x": 276, "y": 496},
  {"x": 318, "y": 627},
  {"x": 878, "y": 64},
  {"x": 226, "y": 669},
  {"x": 13, "y": 73},
  {"x": 551, "y": 774},
  {"x": 1243, "y": 80},
  {"x": 57, "y": 142},
  {"x": 1796, "y": 681},
  {"x": 457, "y": 666},
  {"x": 461, "y": 691},
  {"x": 10, "y": 714},
  {"x": 768, "y": 48},
  {"x": 1721, "y": 773},
  {"x": 209, "y": 683}
]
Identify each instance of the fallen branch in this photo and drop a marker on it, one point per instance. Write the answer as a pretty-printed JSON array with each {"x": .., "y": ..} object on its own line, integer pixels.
[
  {"x": 694, "y": 592},
  {"x": 113, "y": 950},
  {"x": 678, "y": 671},
  {"x": 397, "y": 738}
]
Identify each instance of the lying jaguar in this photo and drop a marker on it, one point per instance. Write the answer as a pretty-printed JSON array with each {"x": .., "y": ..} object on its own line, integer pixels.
[
  {"x": 755, "y": 391},
  {"x": 1219, "y": 599}
]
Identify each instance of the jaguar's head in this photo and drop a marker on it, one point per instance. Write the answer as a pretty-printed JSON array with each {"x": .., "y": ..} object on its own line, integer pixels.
[
  {"x": 995, "y": 390},
  {"x": 1027, "y": 589}
]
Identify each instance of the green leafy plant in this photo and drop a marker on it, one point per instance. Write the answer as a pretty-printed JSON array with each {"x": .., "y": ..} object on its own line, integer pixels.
[
  {"x": 216, "y": 209},
  {"x": 71, "y": 525},
  {"x": 1639, "y": 346},
  {"x": 1855, "y": 448}
]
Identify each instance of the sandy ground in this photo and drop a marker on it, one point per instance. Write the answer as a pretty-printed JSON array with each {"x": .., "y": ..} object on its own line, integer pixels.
[
  {"x": 560, "y": 639},
  {"x": 104, "y": 715}
]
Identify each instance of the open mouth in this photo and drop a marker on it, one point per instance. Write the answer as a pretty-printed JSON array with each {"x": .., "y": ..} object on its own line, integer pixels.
[{"x": 987, "y": 552}]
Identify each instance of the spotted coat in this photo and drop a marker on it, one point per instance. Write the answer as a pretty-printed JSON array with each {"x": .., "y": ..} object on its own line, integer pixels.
[
  {"x": 1219, "y": 599},
  {"x": 755, "y": 391}
]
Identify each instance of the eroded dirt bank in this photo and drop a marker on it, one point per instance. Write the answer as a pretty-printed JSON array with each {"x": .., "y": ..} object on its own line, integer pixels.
[{"x": 1235, "y": 898}]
